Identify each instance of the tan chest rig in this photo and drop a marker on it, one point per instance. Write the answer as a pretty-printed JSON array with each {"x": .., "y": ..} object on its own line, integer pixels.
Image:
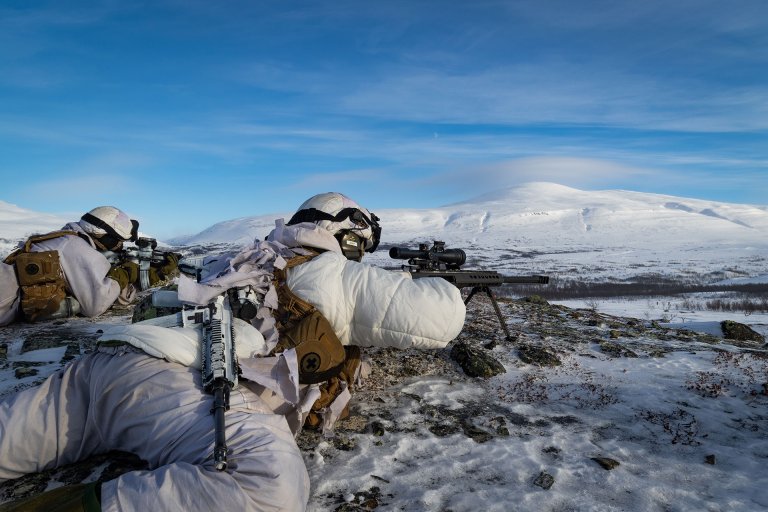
[
  {"x": 41, "y": 278},
  {"x": 321, "y": 356},
  {"x": 301, "y": 326}
]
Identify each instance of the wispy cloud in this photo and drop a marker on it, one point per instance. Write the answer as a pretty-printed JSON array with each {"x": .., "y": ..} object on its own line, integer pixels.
[
  {"x": 328, "y": 180},
  {"x": 98, "y": 178},
  {"x": 576, "y": 172}
]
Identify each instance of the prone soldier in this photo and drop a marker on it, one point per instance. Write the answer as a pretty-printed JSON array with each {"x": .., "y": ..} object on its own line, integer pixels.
[{"x": 66, "y": 272}]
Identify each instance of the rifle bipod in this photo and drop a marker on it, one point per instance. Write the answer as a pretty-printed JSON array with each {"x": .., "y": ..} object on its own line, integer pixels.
[{"x": 487, "y": 290}]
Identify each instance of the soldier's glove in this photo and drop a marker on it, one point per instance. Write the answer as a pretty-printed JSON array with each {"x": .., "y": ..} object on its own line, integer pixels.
[
  {"x": 124, "y": 273},
  {"x": 169, "y": 267},
  {"x": 171, "y": 264}
]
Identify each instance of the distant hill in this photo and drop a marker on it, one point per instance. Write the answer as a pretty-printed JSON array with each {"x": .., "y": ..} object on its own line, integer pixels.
[
  {"x": 546, "y": 214},
  {"x": 553, "y": 228},
  {"x": 550, "y": 227},
  {"x": 18, "y": 223}
]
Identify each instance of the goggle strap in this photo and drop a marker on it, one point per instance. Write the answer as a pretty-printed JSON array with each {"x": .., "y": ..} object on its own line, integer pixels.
[
  {"x": 314, "y": 215},
  {"x": 92, "y": 219}
]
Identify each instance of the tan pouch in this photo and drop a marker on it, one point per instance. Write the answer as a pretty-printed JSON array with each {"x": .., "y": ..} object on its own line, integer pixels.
[
  {"x": 42, "y": 284},
  {"x": 38, "y": 267},
  {"x": 318, "y": 350},
  {"x": 333, "y": 387}
]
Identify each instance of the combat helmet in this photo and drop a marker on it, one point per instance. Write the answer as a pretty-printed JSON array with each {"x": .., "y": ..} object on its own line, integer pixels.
[
  {"x": 355, "y": 228},
  {"x": 109, "y": 227}
]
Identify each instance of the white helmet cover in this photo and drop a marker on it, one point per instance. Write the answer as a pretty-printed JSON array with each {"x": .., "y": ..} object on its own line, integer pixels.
[
  {"x": 338, "y": 214},
  {"x": 109, "y": 221}
]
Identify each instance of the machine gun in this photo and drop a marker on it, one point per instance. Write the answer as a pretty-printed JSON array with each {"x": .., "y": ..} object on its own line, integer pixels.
[
  {"x": 220, "y": 370},
  {"x": 145, "y": 254},
  {"x": 437, "y": 261}
]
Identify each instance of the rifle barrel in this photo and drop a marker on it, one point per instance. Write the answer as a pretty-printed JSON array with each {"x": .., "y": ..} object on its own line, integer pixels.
[{"x": 526, "y": 279}]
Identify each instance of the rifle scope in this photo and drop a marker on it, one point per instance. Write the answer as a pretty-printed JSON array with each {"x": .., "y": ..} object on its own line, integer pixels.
[{"x": 453, "y": 257}]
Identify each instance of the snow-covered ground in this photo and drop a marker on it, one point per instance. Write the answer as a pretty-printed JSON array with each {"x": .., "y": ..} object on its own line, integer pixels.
[
  {"x": 683, "y": 421},
  {"x": 670, "y": 311},
  {"x": 680, "y": 417}
]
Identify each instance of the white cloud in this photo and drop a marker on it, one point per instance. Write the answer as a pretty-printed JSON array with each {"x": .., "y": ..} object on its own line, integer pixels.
[{"x": 572, "y": 171}]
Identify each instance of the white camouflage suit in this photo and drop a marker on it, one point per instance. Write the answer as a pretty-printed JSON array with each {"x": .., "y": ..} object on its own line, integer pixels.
[
  {"x": 85, "y": 271},
  {"x": 121, "y": 398}
]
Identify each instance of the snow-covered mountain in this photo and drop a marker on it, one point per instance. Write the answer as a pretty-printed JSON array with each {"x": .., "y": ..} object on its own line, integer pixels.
[
  {"x": 538, "y": 227},
  {"x": 545, "y": 215},
  {"x": 18, "y": 223},
  {"x": 553, "y": 228}
]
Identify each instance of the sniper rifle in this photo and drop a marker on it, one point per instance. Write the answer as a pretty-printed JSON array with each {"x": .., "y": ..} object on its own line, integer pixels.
[{"x": 437, "y": 261}]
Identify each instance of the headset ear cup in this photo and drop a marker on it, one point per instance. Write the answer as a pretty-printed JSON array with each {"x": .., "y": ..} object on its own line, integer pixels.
[{"x": 352, "y": 246}]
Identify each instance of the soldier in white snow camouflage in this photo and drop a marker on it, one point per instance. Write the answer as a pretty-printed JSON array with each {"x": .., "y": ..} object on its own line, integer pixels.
[{"x": 141, "y": 391}]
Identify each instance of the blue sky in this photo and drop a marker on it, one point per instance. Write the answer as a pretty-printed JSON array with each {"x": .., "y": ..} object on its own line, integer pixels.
[{"x": 185, "y": 112}]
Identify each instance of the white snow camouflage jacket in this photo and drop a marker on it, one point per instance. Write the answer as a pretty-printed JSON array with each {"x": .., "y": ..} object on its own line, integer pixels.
[{"x": 85, "y": 272}]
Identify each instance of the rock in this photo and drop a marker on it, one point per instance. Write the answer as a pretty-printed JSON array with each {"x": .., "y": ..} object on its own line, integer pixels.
[
  {"x": 478, "y": 435},
  {"x": 615, "y": 350},
  {"x": 475, "y": 362},
  {"x": 73, "y": 351},
  {"x": 606, "y": 463},
  {"x": 23, "y": 372},
  {"x": 377, "y": 429},
  {"x": 532, "y": 354},
  {"x": 710, "y": 459},
  {"x": 740, "y": 332},
  {"x": 536, "y": 299},
  {"x": 344, "y": 444},
  {"x": 544, "y": 480},
  {"x": 443, "y": 429}
]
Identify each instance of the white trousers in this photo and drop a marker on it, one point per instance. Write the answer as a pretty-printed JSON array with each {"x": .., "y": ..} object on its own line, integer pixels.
[{"x": 122, "y": 399}]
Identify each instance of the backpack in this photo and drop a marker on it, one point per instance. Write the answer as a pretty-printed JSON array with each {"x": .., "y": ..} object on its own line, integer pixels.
[{"x": 41, "y": 279}]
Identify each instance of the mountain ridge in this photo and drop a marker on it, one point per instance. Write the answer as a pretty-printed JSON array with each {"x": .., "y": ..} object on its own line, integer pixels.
[
  {"x": 548, "y": 227},
  {"x": 571, "y": 209}
]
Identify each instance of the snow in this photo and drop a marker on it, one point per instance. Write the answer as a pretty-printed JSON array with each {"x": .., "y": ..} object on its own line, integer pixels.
[{"x": 660, "y": 417}]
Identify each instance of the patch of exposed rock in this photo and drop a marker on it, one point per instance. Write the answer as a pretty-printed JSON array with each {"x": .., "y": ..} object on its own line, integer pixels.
[
  {"x": 740, "y": 332},
  {"x": 475, "y": 361}
]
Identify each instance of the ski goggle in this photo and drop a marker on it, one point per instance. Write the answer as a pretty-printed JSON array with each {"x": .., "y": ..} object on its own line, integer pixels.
[
  {"x": 357, "y": 216},
  {"x": 110, "y": 239}
]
